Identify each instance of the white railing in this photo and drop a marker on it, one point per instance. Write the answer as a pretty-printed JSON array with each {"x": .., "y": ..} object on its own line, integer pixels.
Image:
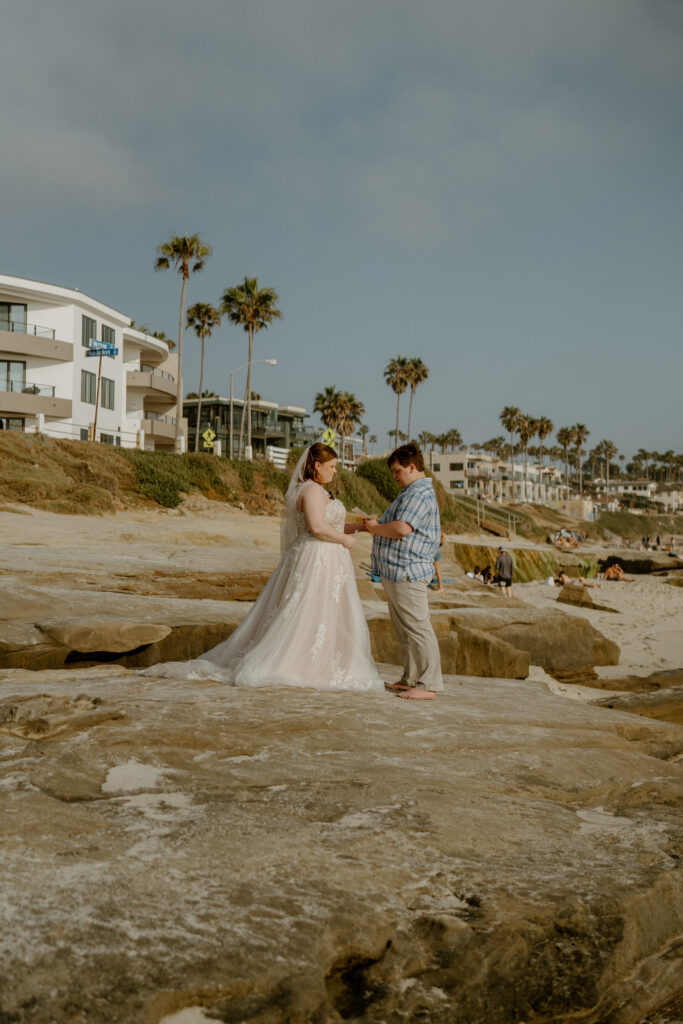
[{"x": 278, "y": 456}]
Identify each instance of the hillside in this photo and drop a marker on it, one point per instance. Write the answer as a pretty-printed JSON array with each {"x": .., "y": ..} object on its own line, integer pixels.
[{"x": 81, "y": 477}]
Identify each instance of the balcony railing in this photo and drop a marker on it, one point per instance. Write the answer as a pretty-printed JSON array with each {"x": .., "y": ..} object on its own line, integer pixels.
[
  {"x": 157, "y": 373},
  {"x": 21, "y": 327},
  {"x": 22, "y": 388},
  {"x": 157, "y": 416}
]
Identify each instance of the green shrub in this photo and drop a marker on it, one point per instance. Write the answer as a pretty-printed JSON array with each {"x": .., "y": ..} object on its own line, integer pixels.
[{"x": 376, "y": 472}]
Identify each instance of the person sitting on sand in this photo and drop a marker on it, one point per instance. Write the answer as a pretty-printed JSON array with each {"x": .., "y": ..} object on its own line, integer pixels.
[
  {"x": 616, "y": 574},
  {"x": 487, "y": 574}
]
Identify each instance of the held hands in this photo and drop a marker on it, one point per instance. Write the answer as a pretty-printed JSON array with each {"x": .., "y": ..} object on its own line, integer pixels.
[
  {"x": 348, "y": 540},
  {"x": 369, "y": 524}
]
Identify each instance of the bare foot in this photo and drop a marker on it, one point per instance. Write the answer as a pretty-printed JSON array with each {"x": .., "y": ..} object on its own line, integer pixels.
[
  {"x": 416, "y": 693},
  {"x": 396, "y": 687}
]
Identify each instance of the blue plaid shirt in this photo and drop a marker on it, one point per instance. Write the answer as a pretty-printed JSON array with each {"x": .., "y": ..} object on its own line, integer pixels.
[{"x": 411, "y": 556}]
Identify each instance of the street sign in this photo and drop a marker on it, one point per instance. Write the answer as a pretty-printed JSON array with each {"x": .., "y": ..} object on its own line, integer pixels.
[
  {"x": 329, "y": 437},
  {"x": 102, "y": 350},
  {"x": 208, "y": 437}
]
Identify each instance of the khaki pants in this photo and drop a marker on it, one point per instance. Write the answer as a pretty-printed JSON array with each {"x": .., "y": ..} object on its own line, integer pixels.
[{"x": 409, "y": 611}]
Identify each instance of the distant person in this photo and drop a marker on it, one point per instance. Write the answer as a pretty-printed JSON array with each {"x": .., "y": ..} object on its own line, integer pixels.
[
  {"x": 563, "y": 580},
  {"x": 505, "y": 568},
  {"x": 616, "y": 574},
  {"x": 438, "y": 589},
  {"x": 487, "y": 574}
]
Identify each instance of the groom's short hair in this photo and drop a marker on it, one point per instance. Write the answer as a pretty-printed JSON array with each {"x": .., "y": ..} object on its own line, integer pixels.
[{"x": 406, "y": 454}]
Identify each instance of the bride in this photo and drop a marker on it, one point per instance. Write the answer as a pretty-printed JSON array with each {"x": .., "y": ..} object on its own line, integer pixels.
[{"x": 307, "y": 626}]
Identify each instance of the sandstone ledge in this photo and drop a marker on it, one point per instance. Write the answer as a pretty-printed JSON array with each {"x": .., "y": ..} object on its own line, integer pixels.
[{"x": 274, "y": 855}]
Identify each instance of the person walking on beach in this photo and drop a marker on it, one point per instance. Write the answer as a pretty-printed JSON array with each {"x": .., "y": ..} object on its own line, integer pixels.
[
  {"x": 505, "y": 568},
  {"x": 405, "y": 541}
]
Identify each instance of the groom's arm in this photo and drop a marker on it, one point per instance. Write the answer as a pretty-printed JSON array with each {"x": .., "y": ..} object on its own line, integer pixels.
[{"x": 394, "y": 530}]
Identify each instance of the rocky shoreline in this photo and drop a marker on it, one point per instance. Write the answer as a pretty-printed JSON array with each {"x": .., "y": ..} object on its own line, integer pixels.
[{"x": 185, "y": 852}]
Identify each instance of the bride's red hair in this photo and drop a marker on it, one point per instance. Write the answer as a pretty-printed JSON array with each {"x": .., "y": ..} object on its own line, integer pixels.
[{"x": 318, "y": 452}]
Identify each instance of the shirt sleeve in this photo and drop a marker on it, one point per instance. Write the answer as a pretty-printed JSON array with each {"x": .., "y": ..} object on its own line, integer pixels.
[{"x": 411, "y": 510}]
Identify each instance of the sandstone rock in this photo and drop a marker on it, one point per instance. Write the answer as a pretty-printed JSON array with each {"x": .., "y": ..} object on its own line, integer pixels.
[
  {"x": 46, "y": 715},
  {"x": 665, "y": 704},
  {"x": 102, "y": 634},
  {"x": 251, "y": 853},
  {"x": 463, "y": 651},
  {"x": 571, "y": 594},
  {"x": 551, "y": 639}
]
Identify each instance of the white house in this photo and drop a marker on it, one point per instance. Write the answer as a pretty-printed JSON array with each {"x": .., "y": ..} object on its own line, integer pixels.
[
  {"x": 487, "y": 476},
  {"x": 49, "y": 383}
]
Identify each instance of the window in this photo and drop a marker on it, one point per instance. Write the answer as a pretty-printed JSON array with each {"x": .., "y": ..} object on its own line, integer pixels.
[
  {"x": 12, "y": 317},
  {"x": 118, "y": 440},
  {"x": 107, "y": 400},
  {"x": 456, "y": 467},
  {"x": 108, "y": 335},
  {"x": 85, "y": 434},
  {"x": 107, "y": 438},
  {"x": 11, "y": 423},
  {"x": 88, "y": 387},
  {"x": 437, "y": 467},
  {"x": 12, "y": 375},
  {"x": 457, "y": 485},
  {"x": 88, "y": 331}
]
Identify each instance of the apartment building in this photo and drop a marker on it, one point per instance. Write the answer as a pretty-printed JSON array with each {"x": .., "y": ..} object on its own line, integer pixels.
[
  {"x": 272, "y": 425},
  {"x": 49, "y": 381},
  {"x": 477, "y": 475}
]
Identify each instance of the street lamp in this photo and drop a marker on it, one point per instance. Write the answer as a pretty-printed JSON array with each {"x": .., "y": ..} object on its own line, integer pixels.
[{"x": 271, "y": 362}]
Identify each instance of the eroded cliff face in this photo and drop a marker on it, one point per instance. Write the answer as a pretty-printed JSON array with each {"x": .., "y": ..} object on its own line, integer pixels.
[{"x": 501, "y": 854}]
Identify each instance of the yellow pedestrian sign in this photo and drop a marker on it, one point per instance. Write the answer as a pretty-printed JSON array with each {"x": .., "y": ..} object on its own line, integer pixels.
[
  {"x": 208, "y": 437},
  {"x": 329, "y": 437}
]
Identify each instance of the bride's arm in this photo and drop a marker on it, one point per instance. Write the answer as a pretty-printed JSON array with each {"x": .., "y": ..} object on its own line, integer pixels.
[{"x": 313, "y": 504}]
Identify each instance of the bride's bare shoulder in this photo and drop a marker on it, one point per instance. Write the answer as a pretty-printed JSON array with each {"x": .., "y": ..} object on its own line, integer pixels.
[{"x": 306, "y": 486}]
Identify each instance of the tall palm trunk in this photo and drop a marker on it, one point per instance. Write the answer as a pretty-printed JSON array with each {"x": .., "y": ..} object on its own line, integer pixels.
[
  {"x": 398, "y": 403},
  {"x": 410, "y": 410},
  {"x": 512, "y": 466},
  {"x": 179, "y": 388},
  {"x": 526, "y": 472},
  {"x": 566, "y": 472},
  {"x": 246, "y": 407},
  {"x": 199, "y": 400}
]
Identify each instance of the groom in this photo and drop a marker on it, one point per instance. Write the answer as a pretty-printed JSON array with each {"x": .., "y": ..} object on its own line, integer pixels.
[{"x": 405, "y": 542}]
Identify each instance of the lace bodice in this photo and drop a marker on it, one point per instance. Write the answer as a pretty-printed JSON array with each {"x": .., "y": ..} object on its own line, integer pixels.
[{"x": 335, "y": 515}]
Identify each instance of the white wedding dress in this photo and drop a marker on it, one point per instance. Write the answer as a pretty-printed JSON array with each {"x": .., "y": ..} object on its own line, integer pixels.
[{"x": 307, "y": 626}]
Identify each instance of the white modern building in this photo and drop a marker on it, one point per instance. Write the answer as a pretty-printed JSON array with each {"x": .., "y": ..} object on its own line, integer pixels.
[
  {"x": 49, "y": 383},
  {"x": 489, "y": 477}
]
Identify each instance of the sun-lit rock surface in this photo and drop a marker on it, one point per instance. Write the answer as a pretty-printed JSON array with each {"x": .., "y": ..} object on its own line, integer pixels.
[{"x": 264, "y": 855}]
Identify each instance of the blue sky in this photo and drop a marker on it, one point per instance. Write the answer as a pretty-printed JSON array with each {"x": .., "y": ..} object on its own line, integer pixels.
[{"x": 495, "y": 187}]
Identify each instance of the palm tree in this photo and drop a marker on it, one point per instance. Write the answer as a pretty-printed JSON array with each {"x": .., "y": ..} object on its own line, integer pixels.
[
  {"x": 373, "y": 439},
  {"x": 509, "y": 418},
  {"x": 453, "y": 438},
  {"x": 327, "y": 404},
  {"x": 254, "y": 309},
  {"x": 609, "y": 452},
  {"x": 161, "y": 335},
  {"x": 351, "y": 412},
  {"x": 565, "y": 436},
  {"x": 544, "y": 427},
  {"x": 417, "y": 373},
  {"x": 526, "y": 428},
  {"x": 188, "y": 254},
  {"x": 396, "y": 376},
  {"x": 203, "y": 317},
  {"x": 579, "y": 434},
  {"x": 364, "y": 430},
  {"x": 494, "y": 446}
]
